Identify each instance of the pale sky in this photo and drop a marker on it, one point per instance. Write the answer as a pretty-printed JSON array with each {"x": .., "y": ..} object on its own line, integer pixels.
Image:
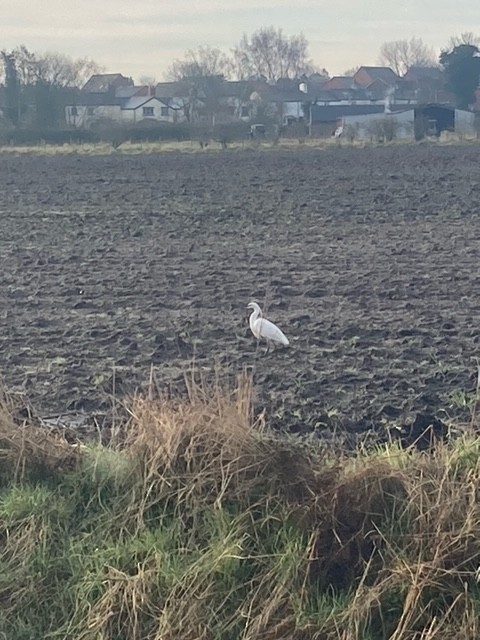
[{"x": 142, "y": 37}]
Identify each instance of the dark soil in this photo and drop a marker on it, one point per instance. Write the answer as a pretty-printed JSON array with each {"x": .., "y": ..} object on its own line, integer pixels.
[{"x": 368, "y": 259}]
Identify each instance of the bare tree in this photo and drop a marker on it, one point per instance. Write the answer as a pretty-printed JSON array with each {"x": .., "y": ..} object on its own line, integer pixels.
[
  {"x": 467, "y": 37},
  {"x": 204, "y": 70},
  {"x": 62, "y": 71},
  {"x": 39, "y": 84},
  {"x": 51, "y": 68},
  {"x": 201, "y": 62},
  {"x": 271, "y": 54},
  {"x": 25, "y": 61},
  {"x": 350, "y": 72},
  {"x": 400, "y": 55}
]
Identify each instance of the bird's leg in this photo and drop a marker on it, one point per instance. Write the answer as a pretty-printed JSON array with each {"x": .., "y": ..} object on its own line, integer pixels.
[{"x": 269, "y": 344}]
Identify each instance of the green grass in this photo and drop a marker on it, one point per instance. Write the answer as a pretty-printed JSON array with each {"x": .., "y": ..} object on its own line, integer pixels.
[{"x": 196, "y": 523}]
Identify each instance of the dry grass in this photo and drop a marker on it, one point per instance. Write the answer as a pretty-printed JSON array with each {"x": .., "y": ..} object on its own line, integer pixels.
[
  {"x": 191, "y": 146},
  {"x": 196, "y": 523},
  {"x": 24, "y": 443}
]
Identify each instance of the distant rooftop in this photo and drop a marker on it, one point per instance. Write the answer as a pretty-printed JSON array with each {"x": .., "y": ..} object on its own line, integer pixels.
[
  {"x": 385, "y": 74},
  {"x": 339, "y": 82},
  {"x": 178, "y": 89},
  {"x": 103, "y": 82},
  {"x": 417, "y": 73}
]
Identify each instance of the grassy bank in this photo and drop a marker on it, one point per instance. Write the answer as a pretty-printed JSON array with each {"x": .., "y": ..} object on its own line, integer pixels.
[{"x": 195, "y": 523}]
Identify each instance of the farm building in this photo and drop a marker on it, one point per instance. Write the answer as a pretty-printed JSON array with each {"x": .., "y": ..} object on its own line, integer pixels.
[
  {"x": 437, "y": 118},
  {"x": 325, "y": 119},
  {"x": 416, "y": 122},
  {"x": 399, "y": 125}
]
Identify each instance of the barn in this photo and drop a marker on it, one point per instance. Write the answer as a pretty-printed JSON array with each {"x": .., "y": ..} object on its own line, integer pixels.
[
  {"x": 433, "y": 119},
  {"x": 414, "y": 122}
]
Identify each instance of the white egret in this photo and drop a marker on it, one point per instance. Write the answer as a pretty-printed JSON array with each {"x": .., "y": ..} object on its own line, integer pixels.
[{"x": 263, "y": 328}]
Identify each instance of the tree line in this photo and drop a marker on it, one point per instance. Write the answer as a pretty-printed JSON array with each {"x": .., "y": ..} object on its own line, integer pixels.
[
  {"x": 269, "y": 54},
  {"x": 44, "y": 80},
  {"x": 47, "y": 80}
]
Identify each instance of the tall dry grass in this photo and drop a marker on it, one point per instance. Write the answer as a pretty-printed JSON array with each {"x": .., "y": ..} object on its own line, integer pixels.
[
  {"x": 191, "y": 146},
  {"x": 195, "y": 522}
]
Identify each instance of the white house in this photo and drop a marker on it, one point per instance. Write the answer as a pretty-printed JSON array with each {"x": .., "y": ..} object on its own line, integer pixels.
[
  {"x": 140, "y": 108},
  {"x": 125, "y": 105}
]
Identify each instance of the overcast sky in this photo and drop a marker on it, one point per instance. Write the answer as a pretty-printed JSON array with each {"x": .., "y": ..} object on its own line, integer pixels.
[{"x": 141, "y": 37}]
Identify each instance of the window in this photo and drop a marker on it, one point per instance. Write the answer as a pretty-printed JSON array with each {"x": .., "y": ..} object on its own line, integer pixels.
[
  {"x": 164, "y": 111},
  {"x": 244, "y": 112},
  {"x": 148, "y": 112},
  {"x": 90, "y": 111},
  {"x": 73, "y": 111}
]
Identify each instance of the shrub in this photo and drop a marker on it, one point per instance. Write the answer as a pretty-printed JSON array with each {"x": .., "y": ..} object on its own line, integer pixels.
[{"x": 383, "y": 129}]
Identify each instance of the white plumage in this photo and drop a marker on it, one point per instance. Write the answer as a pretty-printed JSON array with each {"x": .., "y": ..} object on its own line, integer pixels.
[{"x": 263, "y": 328}]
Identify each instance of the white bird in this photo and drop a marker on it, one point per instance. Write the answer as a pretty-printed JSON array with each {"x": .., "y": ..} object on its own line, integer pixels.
[{"x": 263, "y": 328}]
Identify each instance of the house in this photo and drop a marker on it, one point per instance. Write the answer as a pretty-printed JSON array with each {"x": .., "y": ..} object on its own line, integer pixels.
[
  {"x": 89, "y": 108},
  {"x": 318, "y": 78},
  {"x": 211, "y": 99},
  {"x": 418, "y": 75},
  {"x": 341, "y": 83},
  {"x": 112, "y": 96},
  {"x": 177, "y": 96},
  {"x": 178, "y": 89},
  {"x": 368, "y": 77},
  {"x": 344, "y": 96},
  {"x": 311, "y": 84},
  {"x": 106, "y": 83},
  {"x": 427, "y": 85},
  {"x": 214, "y": 100},
  {"x": 208, "y": 99},
  {"x": 235, "y": 99},
  {"x": 343, "y": 90},
  {"x": 285, "y": 106},
  {"x": 98, "y": 99},
  {"x": 288, "y": 84},
  {"x": 138, "y": 108},
  {"x": 128, "y": 104}
]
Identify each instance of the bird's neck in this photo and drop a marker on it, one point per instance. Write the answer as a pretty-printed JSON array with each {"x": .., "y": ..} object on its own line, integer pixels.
[{"x": 256, "y": 314}]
